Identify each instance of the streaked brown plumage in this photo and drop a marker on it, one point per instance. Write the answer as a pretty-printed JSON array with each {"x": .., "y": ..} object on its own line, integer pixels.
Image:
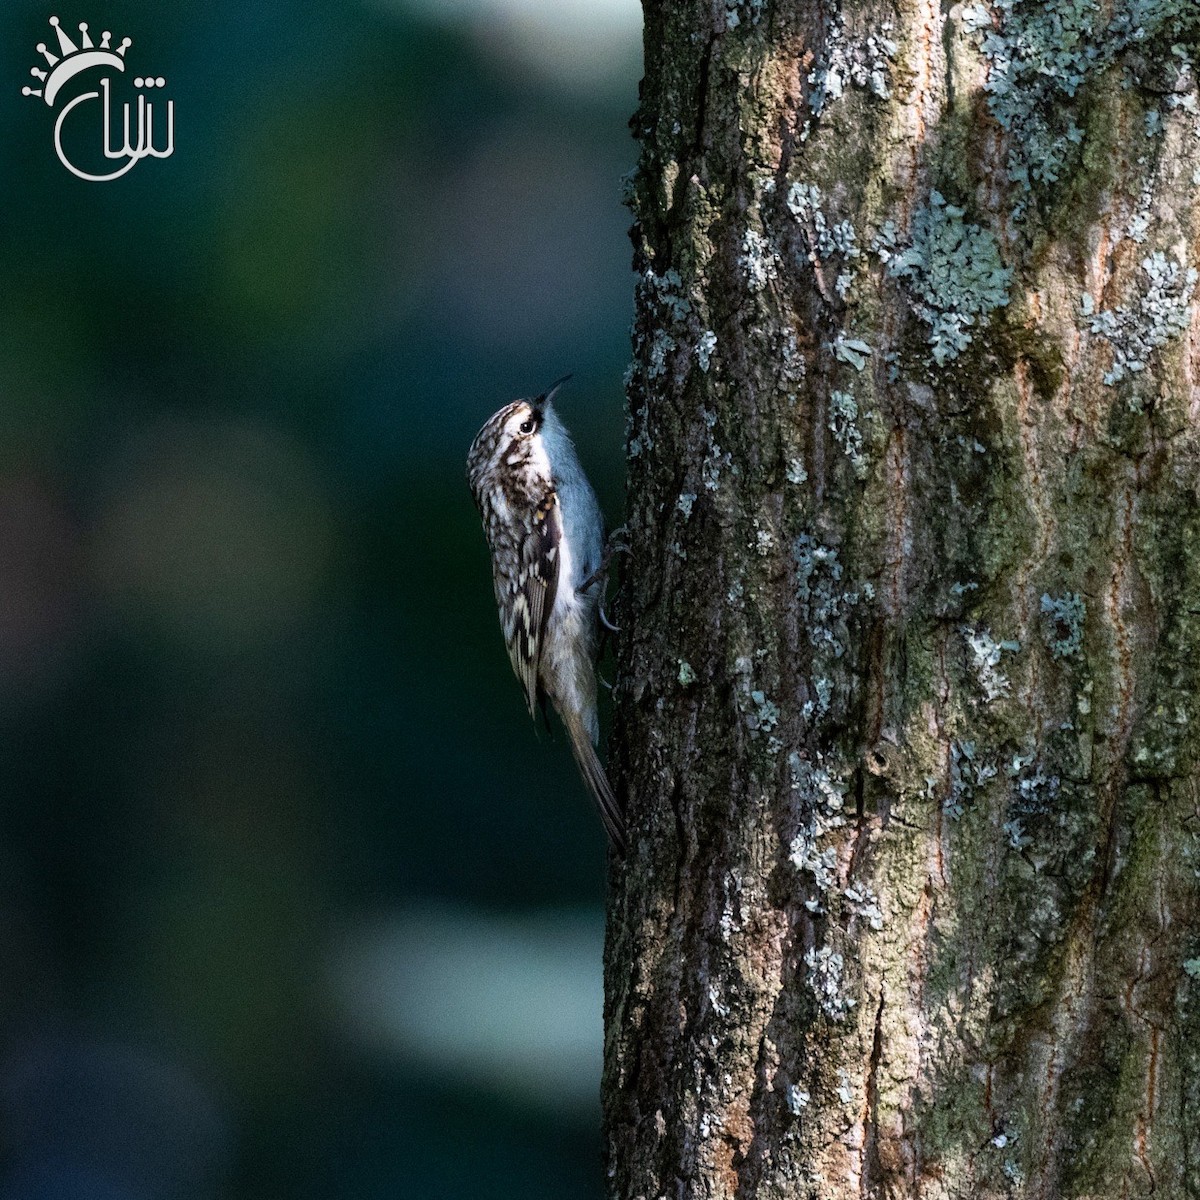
[{"x": 545, "y": 532}]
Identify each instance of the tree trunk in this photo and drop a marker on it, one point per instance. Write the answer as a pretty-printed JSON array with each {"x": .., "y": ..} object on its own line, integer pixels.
[{"x": 907, "y": 689}]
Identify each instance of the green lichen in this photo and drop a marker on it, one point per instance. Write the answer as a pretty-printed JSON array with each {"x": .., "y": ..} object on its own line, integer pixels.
[
  {"x": 843, "y": 424},
  {"x": 854, "y": 352},
  {"x": 954, "y": 272},
  {"x": 825, "y": 968},
  {"x": 1037, "y": 52},
  {"x": 824, "y": 602},
  {"x": 804, "y": 201},
  {"x": 766, "y": 713},
  {"x": 759, "y": 260},
  {"x": 985, "y": 659},
  {"x": 1041, "y": 55},
  {"x": 737, "y": 13},
  {"x": 1163, "y": 312},
  {"x": 864, "y": 63},
  {"x": 1063, "y": 623},
  {"x": 1031, "y": 797},
  {"x": 827, "y": 238},
  {"x": 969, "y": 770}
]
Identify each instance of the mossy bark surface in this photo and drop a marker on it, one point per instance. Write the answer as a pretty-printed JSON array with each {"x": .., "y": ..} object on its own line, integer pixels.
[{"x": 907, "y": 684}]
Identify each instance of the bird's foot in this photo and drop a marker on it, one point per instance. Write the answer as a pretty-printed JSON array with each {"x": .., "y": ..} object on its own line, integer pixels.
[{"x": 612, "y": 546}]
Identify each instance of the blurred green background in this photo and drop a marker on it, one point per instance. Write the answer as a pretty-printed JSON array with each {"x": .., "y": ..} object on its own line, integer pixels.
[{"x": 294, "y": 900}]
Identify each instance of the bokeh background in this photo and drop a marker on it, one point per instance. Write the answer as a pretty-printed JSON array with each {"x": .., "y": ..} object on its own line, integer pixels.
[{"x": 294, "y": 900}]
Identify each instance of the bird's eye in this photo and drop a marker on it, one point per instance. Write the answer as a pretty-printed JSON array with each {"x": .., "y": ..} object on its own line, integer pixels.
[{"x": 526, "y": 426}]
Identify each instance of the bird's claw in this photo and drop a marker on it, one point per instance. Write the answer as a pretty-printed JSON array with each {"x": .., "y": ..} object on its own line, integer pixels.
[
  {"x": 615, "y": 544},
  {"x": 611, "y": 546},
  {"x": 600, "y": 575}
]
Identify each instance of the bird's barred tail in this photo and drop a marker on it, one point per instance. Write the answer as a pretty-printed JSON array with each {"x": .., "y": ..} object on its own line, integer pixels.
[{"x": 597, "y": 782}]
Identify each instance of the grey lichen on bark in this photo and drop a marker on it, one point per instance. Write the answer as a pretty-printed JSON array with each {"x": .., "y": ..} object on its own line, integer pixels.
[{"x": 906, "y": 701}]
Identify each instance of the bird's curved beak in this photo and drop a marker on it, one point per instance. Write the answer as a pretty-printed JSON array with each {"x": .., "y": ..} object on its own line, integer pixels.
[{"x": 547, "y": 397}]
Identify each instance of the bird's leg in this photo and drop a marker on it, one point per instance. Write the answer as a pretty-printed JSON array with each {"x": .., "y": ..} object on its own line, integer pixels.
[
  {"x": 600, "y": 575},
  {"x": 612, "y": 546}
]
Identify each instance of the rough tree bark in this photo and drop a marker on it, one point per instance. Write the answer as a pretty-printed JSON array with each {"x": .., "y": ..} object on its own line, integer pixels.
[{"x": 907, "y": 693}]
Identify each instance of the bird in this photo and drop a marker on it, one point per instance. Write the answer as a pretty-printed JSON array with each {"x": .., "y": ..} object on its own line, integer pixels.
[{"x": 545, "y": 532}]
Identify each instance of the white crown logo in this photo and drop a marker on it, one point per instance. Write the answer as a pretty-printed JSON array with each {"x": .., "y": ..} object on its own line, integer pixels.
[{"x": 74, "y": 59}]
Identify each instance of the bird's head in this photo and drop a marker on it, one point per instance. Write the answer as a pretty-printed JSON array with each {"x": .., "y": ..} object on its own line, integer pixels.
[{"x": 511, "y": 436}]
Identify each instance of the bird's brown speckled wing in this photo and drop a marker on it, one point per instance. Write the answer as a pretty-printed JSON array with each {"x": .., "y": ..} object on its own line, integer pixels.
[{"x": 532, "y": 588}]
